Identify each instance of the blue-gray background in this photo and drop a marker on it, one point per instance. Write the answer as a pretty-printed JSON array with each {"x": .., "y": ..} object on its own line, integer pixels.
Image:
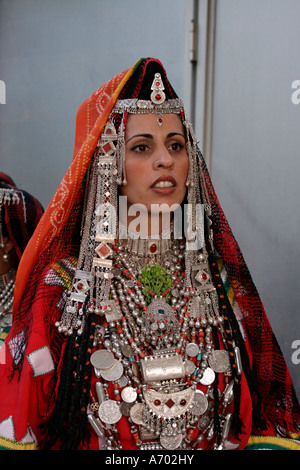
[{"x": 55, "y": 53}]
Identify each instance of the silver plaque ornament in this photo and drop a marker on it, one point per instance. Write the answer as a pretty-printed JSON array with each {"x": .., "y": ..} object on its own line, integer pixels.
[{"x": 109, "y": 412}]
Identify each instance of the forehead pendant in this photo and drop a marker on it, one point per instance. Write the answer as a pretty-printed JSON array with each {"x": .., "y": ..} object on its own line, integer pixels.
[{"x": 158, "y": 96}]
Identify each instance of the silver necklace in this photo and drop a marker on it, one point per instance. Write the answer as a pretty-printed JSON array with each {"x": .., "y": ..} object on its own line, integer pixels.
[
  {"x": 7, "y": 285},
  {"x": 157, "y": 362}
]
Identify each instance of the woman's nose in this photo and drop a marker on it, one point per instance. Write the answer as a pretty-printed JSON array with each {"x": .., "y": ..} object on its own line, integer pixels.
[{"x": 163, "y": 158}]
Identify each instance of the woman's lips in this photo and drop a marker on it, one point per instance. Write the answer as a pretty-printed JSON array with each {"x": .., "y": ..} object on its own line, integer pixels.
[{"x": 164, "y": 185}]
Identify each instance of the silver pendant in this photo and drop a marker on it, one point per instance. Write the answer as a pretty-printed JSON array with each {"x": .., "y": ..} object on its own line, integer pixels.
[
  {"x": 171, "y": 442},
  {"x": 219, "y": 361},
  {"x": 196, "y": 307},
  {"x": 203, "y": 423},
  {"x": 109, "y": 412},
  {"x": 161, "y": 316},
  {"x": 114, "y": 313},
  {"x": 169, "y": 405}
]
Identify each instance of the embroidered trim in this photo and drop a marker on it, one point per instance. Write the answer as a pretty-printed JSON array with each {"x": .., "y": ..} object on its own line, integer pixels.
[
  {"x": 61, "y": 273},
  {"x": 14, "y": 347},
  {"x": 13, "y": 445},
  {"x": 271, "y": 443},
  {"x": 41, "y": 361},
  {"x": 7, "y": 437}
]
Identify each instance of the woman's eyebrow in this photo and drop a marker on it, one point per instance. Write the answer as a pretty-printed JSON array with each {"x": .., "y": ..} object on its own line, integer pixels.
[
  {"x": 172, "y": 134},
  {"x": 147, "y": 136},
  {"x": 150, "y": 136}
]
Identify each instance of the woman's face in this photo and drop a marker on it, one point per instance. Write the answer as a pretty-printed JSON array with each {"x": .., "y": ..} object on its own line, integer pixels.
[{"x": 156, "y": 160}]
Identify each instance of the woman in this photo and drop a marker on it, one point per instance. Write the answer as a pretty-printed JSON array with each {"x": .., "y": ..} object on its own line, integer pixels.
[
  {"x": 19, "y": 215},
  {"x": 133, "y": 329}
]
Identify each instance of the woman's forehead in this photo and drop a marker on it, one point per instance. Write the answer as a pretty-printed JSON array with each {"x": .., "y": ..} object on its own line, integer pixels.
[{"x": 144, "y": 123}]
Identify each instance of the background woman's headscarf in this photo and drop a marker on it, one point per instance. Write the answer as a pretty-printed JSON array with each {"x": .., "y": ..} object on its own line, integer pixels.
[{"x": 20, "y": 213}]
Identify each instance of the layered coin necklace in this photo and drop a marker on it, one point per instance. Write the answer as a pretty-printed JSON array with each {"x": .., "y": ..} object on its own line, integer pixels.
[{"x": 158, "y": 357}]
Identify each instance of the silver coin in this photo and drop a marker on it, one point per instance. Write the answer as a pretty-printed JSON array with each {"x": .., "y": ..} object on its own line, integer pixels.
[
  {"x": 123, "y": 381},
  {"x": 208, "y": 377},
  {"x": 113, "y": 373},
  {"x": 189, "y": 367},
  {"x": 102, "y": 359},
  {"x": 171, "y": 442},
  {"x": 136, "y": 413},
  {"x": 7, "y": 319},
  {"x": 125, "y": 408},
  {"x": 219, "y": 361},
  {"x": 129, "y": 394},
  {"x": 192, "y": 349},
  {"x": 109, "y": 412},
  {"x": 127, "y": 350},
  {"x": 200, "y": 403}
]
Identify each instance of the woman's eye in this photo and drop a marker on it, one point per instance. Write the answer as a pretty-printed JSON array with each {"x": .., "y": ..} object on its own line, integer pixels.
[
  {"x": 140, "y": 148},
  {"x": 176, "y": 146}
]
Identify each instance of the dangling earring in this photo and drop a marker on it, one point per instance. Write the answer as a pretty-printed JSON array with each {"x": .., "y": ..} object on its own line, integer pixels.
[{"x": 5, "y": 258}]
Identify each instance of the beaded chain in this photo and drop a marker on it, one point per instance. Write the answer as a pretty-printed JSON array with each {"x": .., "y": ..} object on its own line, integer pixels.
[{"x": 7, "y": 285}]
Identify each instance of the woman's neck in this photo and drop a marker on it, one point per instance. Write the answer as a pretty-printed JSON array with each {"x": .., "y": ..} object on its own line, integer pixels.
[{"x": 147, "y": 226}]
